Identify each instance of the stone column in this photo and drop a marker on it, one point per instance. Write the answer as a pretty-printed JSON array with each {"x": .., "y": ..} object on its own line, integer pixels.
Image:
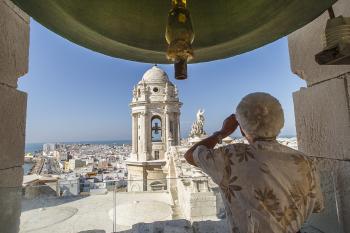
[
  {"x": 178, "y": 128},
  {"x": 145, "y": 182},
  {"x": 145, "y": 135},
  {"x": 322, "y": 115},
  {"x": 139, "y": 134},
  {"x": 167, "y": 127},
  {"x": 134, "y": 135},
  {"x": 14, "y": 44}
]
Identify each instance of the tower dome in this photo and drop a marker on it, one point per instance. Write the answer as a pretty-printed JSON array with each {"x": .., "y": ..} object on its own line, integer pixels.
[
  {"x": 155, "y": 75},
  {"x": 155, "y": 86}
]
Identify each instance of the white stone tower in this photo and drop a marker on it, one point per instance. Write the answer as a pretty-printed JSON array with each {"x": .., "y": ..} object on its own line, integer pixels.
[{"x": 155, "y": 114}]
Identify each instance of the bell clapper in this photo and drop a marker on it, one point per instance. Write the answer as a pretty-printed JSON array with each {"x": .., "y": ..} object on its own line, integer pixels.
[{"x": 179, "y": 36}]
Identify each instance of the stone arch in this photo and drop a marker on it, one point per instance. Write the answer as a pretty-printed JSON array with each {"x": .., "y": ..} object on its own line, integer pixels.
[{"x": 135, "y": 188}]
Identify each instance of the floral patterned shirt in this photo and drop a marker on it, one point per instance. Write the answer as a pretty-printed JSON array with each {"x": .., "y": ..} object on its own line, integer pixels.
[{"x": 267, "y": 187}]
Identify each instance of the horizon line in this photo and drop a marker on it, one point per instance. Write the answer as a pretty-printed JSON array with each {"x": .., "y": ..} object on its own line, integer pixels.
[{"x": 116, "y": 140}]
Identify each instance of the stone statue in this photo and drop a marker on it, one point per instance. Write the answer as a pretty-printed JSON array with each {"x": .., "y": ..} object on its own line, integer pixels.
[
  {"x": 197, "y": 129},
  {"x": 176, "y": 92},
  {"x": 134, "y": 92}
]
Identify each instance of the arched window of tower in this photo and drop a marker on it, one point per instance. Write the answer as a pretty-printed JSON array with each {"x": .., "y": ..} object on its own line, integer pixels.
[{"x": 156, "y": 124}]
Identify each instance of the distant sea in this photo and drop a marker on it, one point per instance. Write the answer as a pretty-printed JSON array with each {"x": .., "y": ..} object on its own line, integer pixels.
[
  {"x": 32, "y": 147},
  {"x": 27, "y": 167}
]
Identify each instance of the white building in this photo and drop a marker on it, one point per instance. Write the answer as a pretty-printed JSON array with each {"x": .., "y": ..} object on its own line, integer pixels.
[
  {"x": 48, "y": 148},
  {"x": 68, "y": 186},
  {"x": 76, "y": 163},
  {"x": 155, "y": 110}
]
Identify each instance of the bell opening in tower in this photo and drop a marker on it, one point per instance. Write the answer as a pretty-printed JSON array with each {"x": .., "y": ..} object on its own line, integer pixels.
[{"x": 156, "y": 124}]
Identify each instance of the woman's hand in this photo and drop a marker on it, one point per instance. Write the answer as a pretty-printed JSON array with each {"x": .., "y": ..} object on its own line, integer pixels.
[{"x": 229, "y": 125}]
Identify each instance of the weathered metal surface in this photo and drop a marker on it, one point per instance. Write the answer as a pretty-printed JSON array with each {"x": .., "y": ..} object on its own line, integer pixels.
[{"x": 134, "y": 30}]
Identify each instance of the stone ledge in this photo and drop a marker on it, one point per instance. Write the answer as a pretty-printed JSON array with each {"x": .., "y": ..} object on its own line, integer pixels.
[
  {"x": 323, "y": 119},
  {"x": 14, "y": 43},
  {"x": 203, "y": 211},
  {"x": 181, "y": 226},
  {"x": 200, "y": 204},
  {"x": 13, "y": 104},
  {"x": 341, "y": 76}
]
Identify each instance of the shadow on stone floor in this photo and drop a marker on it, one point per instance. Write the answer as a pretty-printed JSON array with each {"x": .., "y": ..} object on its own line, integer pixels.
[{"x": 47, "y": 201}]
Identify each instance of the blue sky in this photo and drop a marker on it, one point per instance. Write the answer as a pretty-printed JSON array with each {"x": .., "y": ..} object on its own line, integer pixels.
[{"x": 75, "y": 94}]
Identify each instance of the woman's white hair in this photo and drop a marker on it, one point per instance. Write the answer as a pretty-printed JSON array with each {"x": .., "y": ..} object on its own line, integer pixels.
[{"x": 260, "y": 115}]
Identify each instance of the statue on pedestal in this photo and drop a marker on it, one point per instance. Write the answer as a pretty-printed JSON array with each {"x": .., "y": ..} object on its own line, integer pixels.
[
  {"x": 176, "y": 92},
  {"x": 197, "y": 129}
]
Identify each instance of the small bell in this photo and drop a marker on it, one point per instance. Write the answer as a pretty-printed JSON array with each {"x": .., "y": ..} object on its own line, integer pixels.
[{"x": 337, "y": 49}]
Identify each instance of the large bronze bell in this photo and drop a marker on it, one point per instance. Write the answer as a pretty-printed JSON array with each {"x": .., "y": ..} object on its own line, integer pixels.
[{"x": 135, "y": 30}]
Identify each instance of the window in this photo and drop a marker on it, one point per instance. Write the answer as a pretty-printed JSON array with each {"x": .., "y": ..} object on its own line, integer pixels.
[
  {"x": 156, "y": 155},
  {"x": 155, "y": 89},
  {"x": 156, "y": 124}
]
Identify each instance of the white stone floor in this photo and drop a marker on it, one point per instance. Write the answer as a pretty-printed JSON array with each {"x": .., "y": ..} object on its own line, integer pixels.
[{"x": 79, "y": 214}]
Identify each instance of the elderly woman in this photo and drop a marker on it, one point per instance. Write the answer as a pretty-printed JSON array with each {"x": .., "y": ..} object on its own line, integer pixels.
[{"x": 267, "y": 187}]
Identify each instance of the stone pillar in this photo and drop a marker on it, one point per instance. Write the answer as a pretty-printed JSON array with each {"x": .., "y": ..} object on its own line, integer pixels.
[
  {"x": 136, "y": 132},
  {"x": 14, "y": 44},
  {"x": 134, "y": 135},
  {"x": 178, "y": 138},
  {"x": 139, "y": 133},
  {"x": 145, "y": 182},
  {"x": 145, "y": 135},
  {"x": 322, "y": 115},
  {"x": 167, "y": 127}
]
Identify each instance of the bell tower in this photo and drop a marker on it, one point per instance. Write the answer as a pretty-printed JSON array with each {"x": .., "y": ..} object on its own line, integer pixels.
[{"x": 155, "y": 111}]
